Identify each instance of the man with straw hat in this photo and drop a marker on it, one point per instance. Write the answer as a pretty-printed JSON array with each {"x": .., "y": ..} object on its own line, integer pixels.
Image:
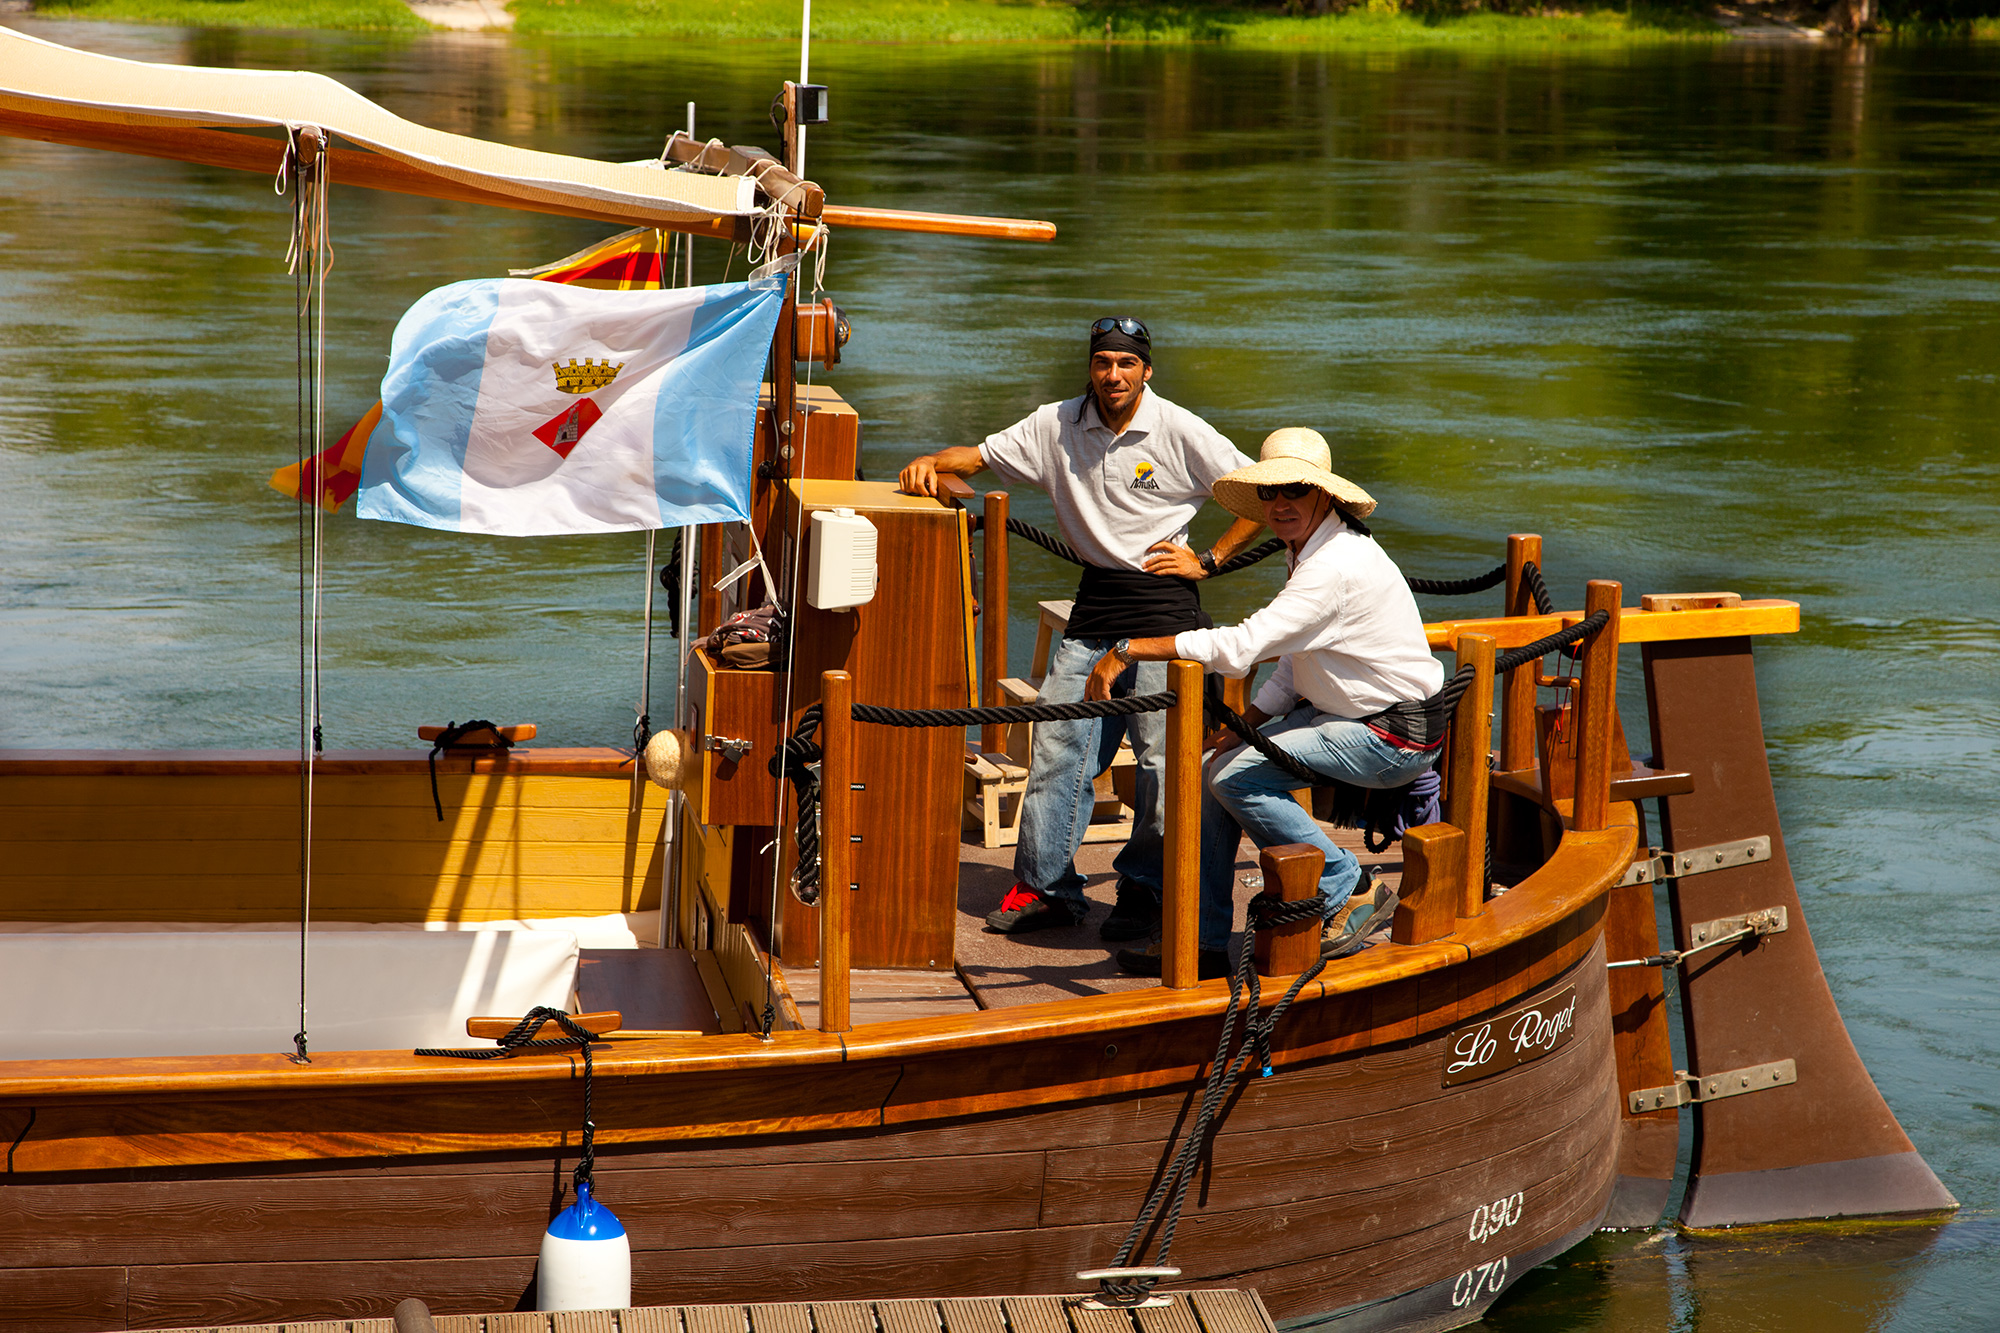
[
  {"x": 1348, "y": 700},
  {"x": 1126, "y": 470}
]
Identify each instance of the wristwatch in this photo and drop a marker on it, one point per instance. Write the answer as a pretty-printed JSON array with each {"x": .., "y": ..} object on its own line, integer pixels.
[
  {"x": 1122, "y": 650},
  {"x": 1207, "y": 559}
]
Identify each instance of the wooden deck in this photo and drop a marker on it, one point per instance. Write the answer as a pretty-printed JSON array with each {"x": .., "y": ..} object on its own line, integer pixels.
[
  {"x": 1190, "y": 1312},
  {"x": 1000, "y": 971}
]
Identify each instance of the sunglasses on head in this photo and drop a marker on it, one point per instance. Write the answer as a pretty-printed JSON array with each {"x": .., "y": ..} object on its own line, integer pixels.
[
  {"x": 1130, "y": 327},
  {"x": 1291, "y": 490}
]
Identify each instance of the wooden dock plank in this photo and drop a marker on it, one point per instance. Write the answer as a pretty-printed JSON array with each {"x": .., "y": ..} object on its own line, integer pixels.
[
  {"x": 715, "y": 1319},
  {"x": 1086, "y": 1320},
  {"x": 784, "y": 1318},
  {"x": 1232, "y": 1312},
  {"x": 652, "y": 1319},
  {"x": 1036, "y": 1314},
  {"x": 1176, "y": 1318},
  {"x": 585, "y": 1321},
  {"x": 908, "y": 1316},
  {"x": 518, "y": 1322},
  {"x": 972, "y": 1316},
  {"x": 843, "y": 1317}
]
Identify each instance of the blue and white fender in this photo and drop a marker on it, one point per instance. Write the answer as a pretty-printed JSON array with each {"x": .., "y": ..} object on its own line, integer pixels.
[{"x": 586, "y": 1259}]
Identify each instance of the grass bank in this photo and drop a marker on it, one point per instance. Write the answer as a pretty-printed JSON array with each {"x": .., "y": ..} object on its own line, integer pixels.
[{"x": 1377, "y": 23}]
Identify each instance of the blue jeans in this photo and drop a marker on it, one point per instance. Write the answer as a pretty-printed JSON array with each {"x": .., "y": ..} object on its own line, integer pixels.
[
  {"x": 1066, "y": 756},
  {"x": 1246, "y": 793}
]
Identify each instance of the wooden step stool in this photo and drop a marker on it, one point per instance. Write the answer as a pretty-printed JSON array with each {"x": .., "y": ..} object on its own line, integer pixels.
[{"x": 994, "y": 783}]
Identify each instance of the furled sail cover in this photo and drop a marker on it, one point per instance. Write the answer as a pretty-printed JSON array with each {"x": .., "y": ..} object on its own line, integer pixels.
[{"x": 46, "y": 86}]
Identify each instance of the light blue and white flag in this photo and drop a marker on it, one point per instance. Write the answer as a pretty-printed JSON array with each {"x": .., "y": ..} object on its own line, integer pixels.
[{"x": 531, "y": 409}]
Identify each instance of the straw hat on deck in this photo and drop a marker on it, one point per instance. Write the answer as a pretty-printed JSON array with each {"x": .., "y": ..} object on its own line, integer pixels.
[{"x": 1288, "y": 455}]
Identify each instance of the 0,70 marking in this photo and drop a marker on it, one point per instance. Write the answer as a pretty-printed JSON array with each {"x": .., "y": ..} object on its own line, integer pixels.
[{"x": 1474, "y": 1282}]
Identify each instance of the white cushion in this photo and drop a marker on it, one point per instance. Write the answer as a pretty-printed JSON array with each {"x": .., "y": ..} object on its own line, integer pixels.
[{"x": 90, "y": 995}]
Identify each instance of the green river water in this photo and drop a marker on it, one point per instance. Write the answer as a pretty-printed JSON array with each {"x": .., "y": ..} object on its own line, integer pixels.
[{"x": 1704, "y": 318}]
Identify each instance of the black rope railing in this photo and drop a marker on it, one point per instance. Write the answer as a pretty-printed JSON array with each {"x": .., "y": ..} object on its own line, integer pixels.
[
  {"x": 1531, "y": 578},
  {"x": 520, "y": 1038},
  {"x": 980, "y": 717},
  {"x": 1492, "y": 578},
  {"x": 1250, "y": 557},
  {"x": 1231, "y": 1063},
  {"x": 1055, "y": 546},
  {"x": 1542, "y": 647}
]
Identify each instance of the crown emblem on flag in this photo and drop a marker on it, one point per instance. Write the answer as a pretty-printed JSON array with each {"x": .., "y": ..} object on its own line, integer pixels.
[{"x": 585, "y": 378}]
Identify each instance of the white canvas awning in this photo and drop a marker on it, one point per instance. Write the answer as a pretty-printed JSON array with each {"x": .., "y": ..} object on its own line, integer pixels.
[{"x": 192, "y": 113}]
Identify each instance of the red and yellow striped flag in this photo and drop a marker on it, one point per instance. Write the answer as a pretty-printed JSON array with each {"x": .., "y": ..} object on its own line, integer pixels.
[{"x": 630, "y": 261}]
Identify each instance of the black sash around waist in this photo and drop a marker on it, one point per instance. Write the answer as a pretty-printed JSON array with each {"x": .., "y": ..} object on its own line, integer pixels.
[{"x": 1132, "y": 604}]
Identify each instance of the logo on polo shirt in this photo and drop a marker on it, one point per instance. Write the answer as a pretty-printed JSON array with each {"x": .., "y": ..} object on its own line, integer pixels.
[{"x": 1142, "y": 478}]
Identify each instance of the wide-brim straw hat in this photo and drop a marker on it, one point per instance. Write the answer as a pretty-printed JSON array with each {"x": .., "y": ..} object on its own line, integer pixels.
[{"x": 1292, "y": 454}]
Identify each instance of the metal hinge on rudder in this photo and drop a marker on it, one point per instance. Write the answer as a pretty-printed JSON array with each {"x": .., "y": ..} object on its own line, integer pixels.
[
  {"x": 1697, "y": 860},
  {"x": 1706, "y": 935},
  {"x": 1691, "y": 1088}
]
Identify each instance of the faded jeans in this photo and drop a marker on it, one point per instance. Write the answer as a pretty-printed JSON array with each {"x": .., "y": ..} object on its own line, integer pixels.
[
  {"x": 1066, "y": 756},
  {"x": 1246, "y": 793}
]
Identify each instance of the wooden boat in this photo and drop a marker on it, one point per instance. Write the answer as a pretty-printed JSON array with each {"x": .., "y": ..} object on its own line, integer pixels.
[{"x": 1463, "y": 1100}]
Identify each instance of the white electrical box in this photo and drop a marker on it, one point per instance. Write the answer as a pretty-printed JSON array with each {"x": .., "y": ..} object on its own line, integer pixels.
[{"x": 842, "y": 574}]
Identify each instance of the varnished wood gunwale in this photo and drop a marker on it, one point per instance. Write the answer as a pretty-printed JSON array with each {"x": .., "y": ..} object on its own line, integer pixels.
[
  {"x": 1767, "y": 616},
  {"x": 556, "y": 761}
]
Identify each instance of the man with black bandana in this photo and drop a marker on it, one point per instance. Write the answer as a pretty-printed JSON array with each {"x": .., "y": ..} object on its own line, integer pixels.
[{"x": 1126, "y": 471}]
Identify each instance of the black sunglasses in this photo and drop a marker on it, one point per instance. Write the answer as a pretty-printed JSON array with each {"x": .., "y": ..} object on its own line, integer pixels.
[
  {"x": 1130, "y": 327},
  {"x": 1291, "y": 490}
]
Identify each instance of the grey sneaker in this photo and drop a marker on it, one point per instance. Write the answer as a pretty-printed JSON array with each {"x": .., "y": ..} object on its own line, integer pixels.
[{"x": 1347, "y": 931}]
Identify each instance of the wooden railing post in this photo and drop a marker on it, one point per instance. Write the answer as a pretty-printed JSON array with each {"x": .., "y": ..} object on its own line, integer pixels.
[
  {"x": 1517, "y": 701},
  {"x": 707, "y": 599},
  {"x": 1291, "y": 874},
  {"x": 1180, "y": 921},
  {"x": 1471, "y": 747},
  {"x": 836, "y": 824},
  {"x": 1434, "y": 857},
  {"x": 993, "y": 610},
  {"x": 1596, "y": 706}
]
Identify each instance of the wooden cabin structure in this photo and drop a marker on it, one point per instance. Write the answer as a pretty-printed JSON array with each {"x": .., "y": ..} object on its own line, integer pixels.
[{"x": 1466, "y": 1098}]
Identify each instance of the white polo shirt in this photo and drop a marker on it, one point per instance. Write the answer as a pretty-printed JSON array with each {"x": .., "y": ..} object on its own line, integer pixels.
[
  {"x": 1347, "y": 625},
  {"x": 1115, "y": 495}
]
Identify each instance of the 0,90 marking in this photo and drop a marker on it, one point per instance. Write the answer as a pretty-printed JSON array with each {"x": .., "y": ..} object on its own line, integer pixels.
[
  {"x": 1474, "y": 1282},
  {"x": 1490, "y": 1219}
]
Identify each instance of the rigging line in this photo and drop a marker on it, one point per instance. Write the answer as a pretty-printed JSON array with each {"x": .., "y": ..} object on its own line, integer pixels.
[
  {"x": 642, "y": 729},
  {"x": 305, "y": 498},
  {"x": 313, "y": 255}
]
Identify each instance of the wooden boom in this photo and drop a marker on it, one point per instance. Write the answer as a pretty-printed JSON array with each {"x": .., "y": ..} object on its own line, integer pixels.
[{"x": 373, "y": 171}]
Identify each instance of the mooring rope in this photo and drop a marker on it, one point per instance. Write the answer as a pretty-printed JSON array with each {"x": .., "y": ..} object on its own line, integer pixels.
[
  {"x": 1228, "y": 1067},
  {"x": 452, "y": 735},
  {"x": 517, "y": 1039}
]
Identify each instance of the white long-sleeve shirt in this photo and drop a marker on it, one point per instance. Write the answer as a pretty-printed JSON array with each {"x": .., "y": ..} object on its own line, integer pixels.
[{"x": 1351, "y": 638}]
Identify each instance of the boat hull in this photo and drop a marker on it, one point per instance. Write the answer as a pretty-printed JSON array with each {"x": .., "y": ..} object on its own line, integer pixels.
[{"x": 1352, "y": 1184}]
